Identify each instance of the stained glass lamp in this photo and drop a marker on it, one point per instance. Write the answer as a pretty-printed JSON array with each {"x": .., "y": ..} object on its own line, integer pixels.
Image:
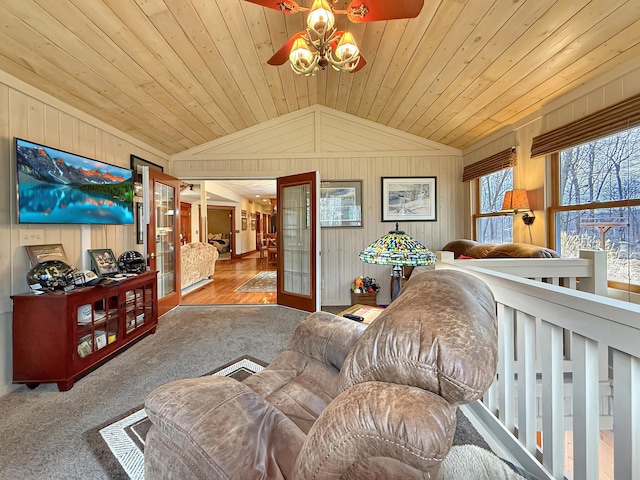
[{"x": 400, "y": 250}]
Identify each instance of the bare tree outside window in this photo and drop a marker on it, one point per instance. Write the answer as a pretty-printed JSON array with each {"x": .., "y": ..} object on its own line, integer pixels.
[
  {"x": 491, "y": 226},
  {"x": 599, "y": 202}
]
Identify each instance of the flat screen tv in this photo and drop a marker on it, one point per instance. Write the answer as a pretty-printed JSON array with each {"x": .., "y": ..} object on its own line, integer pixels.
[{"x": 55, "y": 186}]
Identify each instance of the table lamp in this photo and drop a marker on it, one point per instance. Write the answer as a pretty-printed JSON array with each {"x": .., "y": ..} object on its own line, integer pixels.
[{"x": 400, "y": 250}]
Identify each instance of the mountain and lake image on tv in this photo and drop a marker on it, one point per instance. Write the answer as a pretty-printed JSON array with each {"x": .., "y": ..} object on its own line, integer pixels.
[{"x": 55, "y": 186}]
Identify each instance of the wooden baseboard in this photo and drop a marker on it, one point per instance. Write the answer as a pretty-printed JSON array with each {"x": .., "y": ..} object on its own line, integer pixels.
[{"x": 245, "y": 254}]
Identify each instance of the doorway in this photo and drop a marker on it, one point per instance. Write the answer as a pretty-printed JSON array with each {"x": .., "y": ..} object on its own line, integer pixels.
[
  {"x": 220, "y": 230},
  {"x": 244, "y": 209},
  {"x": 253, "y": 220}
]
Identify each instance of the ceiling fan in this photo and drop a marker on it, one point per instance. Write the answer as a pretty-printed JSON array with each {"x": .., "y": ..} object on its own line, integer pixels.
[{"x": 321, "y": 44}]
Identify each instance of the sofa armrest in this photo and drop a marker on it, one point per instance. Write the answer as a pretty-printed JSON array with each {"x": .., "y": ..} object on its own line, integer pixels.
[
  {"x": 326, "y": 337},
  {"x": 372, "y": 431},
  {"x": 191, "y": 417}
]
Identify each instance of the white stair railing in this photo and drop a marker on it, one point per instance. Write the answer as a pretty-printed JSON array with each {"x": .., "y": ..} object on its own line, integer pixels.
[
  {"x": 535, "y": 319},
  {"x": 587, "y": 273}
]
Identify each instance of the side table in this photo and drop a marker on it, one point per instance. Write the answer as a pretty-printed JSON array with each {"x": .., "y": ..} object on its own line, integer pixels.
[
  {"x": 364, "y": 298},
  {"x": 367, "y": 311}
]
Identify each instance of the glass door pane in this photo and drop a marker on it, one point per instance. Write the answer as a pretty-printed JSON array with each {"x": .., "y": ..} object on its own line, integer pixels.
[
  {"x": 164, "y": 196},
  {"x": 296, "y": 238}
]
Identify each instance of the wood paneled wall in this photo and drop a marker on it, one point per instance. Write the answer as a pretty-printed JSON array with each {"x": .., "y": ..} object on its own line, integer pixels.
[
  {"x": 341, "y": 147},
  {"x": 30, "y": 114},
  {"x": 341, "y": 246}
]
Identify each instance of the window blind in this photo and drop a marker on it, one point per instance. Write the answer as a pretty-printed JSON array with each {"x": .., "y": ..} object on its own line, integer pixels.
[
  {"x": 494, "y": 163},
  {"x": 607, "y": 121}
]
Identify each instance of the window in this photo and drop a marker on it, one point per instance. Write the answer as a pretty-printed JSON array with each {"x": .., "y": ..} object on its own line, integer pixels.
[
  {"x": 597, "y": 203},
  {"x": 491, "y": 225}
]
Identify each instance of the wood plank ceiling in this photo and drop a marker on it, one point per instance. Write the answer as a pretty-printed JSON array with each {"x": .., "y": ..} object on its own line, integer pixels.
[{"x": 179, "y": 73}]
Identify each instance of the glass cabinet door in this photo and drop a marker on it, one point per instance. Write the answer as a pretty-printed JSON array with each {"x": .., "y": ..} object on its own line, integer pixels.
[{"x": 97, "y": 325}]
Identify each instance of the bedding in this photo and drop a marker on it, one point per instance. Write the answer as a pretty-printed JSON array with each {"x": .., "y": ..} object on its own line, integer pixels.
[
  {"x": 221, "y": 241},
  {"x": 222, "y": 244}
]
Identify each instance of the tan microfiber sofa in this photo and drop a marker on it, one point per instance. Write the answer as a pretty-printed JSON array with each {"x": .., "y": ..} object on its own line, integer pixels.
[
  {"x": 342, "y": 402},
  {"x": 198, "y": 262},
  {"x": 470, "y": 248}
]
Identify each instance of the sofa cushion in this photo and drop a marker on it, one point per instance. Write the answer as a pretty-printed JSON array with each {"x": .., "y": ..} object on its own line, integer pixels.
[
  {"x": 521, "y": 250},
  {"x": 193, "y": 415},
  {"x": 440, "y": 334},
  {"x": 459, "y": 247},
  {"x": 480, "y": 250},
  {"x": 297, "y": 385},
  {"x": 470, "y": 248}
]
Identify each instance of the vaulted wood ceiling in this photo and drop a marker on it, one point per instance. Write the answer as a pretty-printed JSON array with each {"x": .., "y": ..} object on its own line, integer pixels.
[{"x": 179, "y": 73}]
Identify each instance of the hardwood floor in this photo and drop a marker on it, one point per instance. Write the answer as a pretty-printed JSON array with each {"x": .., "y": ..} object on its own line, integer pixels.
[{"x": 229, "y": 275}]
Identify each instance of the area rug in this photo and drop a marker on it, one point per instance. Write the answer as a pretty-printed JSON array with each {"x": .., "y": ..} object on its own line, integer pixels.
[
  {"x": 119, "y": 443},
  {"x": 262, "y": 282}
]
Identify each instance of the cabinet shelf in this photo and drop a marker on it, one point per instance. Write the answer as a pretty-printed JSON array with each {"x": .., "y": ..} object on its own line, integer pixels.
[{"x": 59, "y": 337}]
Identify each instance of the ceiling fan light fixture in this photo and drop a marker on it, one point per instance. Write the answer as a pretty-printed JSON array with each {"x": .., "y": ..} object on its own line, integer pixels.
[
  {"x": 325, "y": 45},
  {"x": 301, "y": 57},
  {"x": 321, "y": 19},
  {"x": 347, "y": 48},
  {"x": 300, "y": 54}
]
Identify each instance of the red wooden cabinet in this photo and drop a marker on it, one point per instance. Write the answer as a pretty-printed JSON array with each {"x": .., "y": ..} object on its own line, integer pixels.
[{"x": 59, "y": 337}]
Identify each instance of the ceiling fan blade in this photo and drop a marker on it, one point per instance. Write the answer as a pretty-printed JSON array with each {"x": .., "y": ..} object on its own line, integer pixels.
[
  {"x": 361, "y": 63},
  {"x": 284, "y": 6},
  {"x": 361, "y": 11},
  {"x": 282, "y": 55}
]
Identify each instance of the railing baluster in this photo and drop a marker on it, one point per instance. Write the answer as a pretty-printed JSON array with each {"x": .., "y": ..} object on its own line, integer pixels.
[
  {"x": 626, "y": 420},
  {"x": 552, "y": 400},
  {"x": 505, "y": 365},
  {"x": 490, "y": 398},
  {"x": 526, "y": 328},
  {"x": 586, "y": 427},
  {"x": 599, "y": 325}
]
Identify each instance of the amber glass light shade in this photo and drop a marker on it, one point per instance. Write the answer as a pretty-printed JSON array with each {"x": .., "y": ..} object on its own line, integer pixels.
[{"x": 321, "y": 18}]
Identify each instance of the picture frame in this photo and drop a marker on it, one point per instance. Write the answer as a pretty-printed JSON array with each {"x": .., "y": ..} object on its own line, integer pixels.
[
  {"x": 135, "y": 162},
  {"x": 409, "y": 199},
  {"x": 341, "y": 204},
  {"x": 43, "y": 253},
  {"x": 244, "y": 223},
  {"x": 243, "y": 213},
  {"x": 103, "y": 261},
  {"x": 253, "y": 223}
]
